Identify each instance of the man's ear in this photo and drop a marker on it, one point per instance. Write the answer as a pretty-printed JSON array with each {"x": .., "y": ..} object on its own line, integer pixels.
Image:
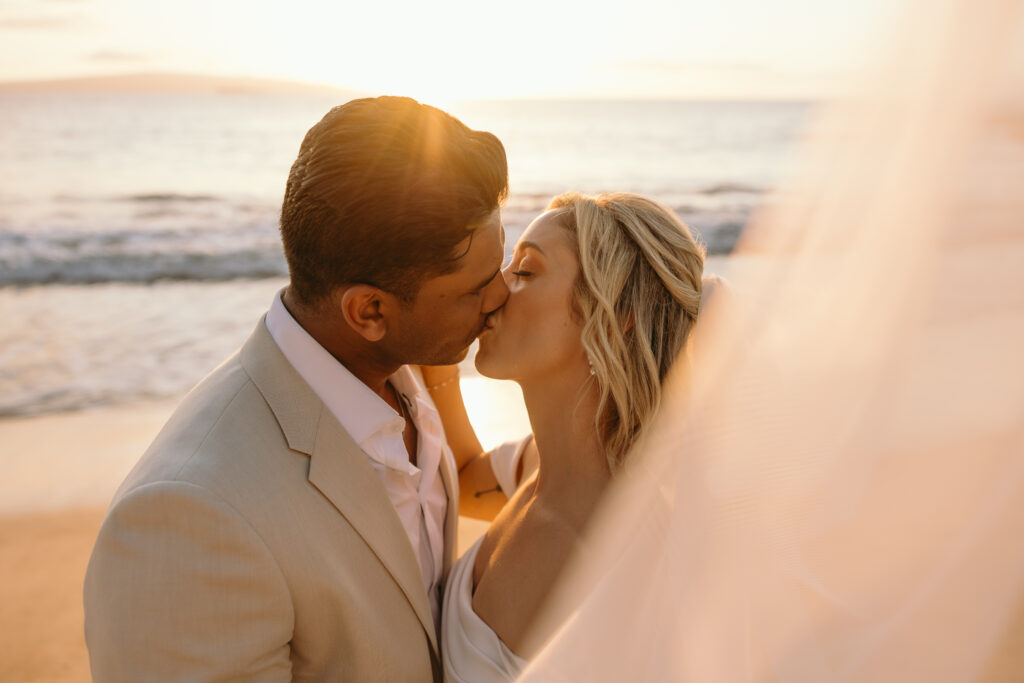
[{"x": 364, "y": 308}]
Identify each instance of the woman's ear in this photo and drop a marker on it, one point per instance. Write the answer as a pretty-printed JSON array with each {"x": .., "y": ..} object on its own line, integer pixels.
[{"x": 363, "y": 308}]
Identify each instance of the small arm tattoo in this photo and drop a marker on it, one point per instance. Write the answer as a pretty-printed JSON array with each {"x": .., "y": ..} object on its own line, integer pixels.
[{"x": 496, "y": 489}]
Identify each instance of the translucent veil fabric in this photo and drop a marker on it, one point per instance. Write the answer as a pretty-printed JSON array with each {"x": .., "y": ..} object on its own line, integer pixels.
[{"x": 834, "y": 489}]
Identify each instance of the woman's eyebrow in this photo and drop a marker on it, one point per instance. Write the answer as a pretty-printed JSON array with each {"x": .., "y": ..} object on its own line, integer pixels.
[{"x": 527, "y": 244}]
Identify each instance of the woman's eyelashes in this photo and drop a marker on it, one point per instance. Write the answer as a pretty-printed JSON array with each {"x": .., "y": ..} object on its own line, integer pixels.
[
  {"x": 522, "y": 268},
  {"x": 516, "y": 269}
]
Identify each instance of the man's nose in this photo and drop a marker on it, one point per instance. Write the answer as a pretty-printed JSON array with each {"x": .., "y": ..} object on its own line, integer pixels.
[{"x": 495, "y": 294}]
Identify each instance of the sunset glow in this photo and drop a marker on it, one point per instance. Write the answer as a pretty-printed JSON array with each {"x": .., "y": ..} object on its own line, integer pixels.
[{"x": 456, "y": 48}]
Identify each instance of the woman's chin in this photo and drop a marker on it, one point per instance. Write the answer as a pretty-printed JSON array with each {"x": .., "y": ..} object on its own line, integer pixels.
[
  {"x": 487, "y": 364},
  {"x": 482, "y": 363}
]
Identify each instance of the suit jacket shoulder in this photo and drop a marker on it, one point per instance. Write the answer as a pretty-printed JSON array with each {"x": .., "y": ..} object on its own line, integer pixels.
[{"x": 253, "y": 540}]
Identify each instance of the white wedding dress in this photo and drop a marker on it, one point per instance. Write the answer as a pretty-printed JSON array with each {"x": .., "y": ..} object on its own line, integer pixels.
[{"x": 470, "y": 651}]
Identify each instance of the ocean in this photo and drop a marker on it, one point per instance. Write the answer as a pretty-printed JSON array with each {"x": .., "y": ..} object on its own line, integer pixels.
[{"x": 138, "y": 232}]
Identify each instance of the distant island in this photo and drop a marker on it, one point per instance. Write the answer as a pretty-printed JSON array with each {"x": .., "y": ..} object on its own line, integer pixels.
[{"x": 175, "y": 83}]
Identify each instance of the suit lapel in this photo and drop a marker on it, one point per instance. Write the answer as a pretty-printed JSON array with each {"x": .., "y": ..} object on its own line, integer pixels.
[
  {"x": 338, "y": 467},
  {"x": 451, "y": 488},
  {"x": 341, "y": 471}
]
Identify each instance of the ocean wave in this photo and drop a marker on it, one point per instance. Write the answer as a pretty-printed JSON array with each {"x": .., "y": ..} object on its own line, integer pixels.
[
  {"x": 63, "y": 256},
  {"x": 679, "y": 200},
  {"x": 144, "y": 238},
  {"x": 92, "y": 259},
  {"x": 731, "y": 188},
  {"x": 242, "y": 264},
  {"x": 170, "y": 197}
]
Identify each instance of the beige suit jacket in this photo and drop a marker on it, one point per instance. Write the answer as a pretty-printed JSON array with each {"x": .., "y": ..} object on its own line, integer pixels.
[{"x": 254, "y": 541}]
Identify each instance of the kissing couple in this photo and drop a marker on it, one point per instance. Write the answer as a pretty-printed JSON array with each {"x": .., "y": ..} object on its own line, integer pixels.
[{"x": 296, "y": 518}]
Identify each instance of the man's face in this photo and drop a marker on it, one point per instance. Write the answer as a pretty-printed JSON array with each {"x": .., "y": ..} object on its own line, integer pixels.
[{"x": 450, "y": 310}]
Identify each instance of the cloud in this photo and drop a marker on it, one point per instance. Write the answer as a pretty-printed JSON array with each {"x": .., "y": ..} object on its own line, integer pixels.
[
  {"x": 117, "y": 56},
  {"x": 669, "y": 67},
  {"x": 43, "y": 22}
]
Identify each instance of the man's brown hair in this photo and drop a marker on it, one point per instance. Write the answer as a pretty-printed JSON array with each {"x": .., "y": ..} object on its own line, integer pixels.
[{"x": 382, "y": 192}]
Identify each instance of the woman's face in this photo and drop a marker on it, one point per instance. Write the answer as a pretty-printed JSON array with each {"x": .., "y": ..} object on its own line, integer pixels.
[{"x": 535, "y": 334}]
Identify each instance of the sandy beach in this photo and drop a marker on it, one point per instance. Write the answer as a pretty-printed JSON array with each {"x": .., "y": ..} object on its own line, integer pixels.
[
  {"x": 44, "y": 559},
  {"x": 62, "y": 471}
]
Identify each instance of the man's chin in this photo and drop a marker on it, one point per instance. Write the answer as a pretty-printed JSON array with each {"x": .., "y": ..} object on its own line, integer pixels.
[
  {"x": 450, "y": 358},
  {"x": 459, "y": 357}
]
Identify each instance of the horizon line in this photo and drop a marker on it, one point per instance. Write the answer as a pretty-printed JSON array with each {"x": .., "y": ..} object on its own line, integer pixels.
[{"x": 184, "y": 82}]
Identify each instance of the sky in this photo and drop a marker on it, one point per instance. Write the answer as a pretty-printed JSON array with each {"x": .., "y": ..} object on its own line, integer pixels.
[{"x": 455, "y": 49}]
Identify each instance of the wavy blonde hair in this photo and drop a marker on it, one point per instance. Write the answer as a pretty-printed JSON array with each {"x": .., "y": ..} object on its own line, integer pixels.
[{"x": 637, "y": 292}]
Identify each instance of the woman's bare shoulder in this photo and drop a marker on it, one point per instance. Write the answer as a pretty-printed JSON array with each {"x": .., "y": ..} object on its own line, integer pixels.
[{"x": 519, "y": 566}]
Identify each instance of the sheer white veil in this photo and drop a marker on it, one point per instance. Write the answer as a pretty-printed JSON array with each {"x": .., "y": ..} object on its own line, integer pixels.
[{"x": 834, "y": 489}]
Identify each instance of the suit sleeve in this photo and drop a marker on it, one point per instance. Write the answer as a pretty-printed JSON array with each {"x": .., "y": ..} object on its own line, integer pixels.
[{"x": 180, "y": 587}]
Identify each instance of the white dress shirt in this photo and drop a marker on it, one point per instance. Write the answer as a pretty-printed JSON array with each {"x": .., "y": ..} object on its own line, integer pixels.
[{"x": 416, "y": 491}]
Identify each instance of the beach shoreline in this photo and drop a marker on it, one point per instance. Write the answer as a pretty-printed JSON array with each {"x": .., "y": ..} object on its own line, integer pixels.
[{"x": 61, "y": 461}]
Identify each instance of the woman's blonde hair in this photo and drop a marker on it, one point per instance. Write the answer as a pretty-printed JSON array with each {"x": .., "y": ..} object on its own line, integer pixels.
[{"x": 637, "y": 292}]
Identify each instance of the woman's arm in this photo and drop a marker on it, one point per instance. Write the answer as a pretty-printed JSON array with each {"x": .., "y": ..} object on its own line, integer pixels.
[
  {"x": 480, "y": 495},
  {"x": 443, "y": 384}
]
